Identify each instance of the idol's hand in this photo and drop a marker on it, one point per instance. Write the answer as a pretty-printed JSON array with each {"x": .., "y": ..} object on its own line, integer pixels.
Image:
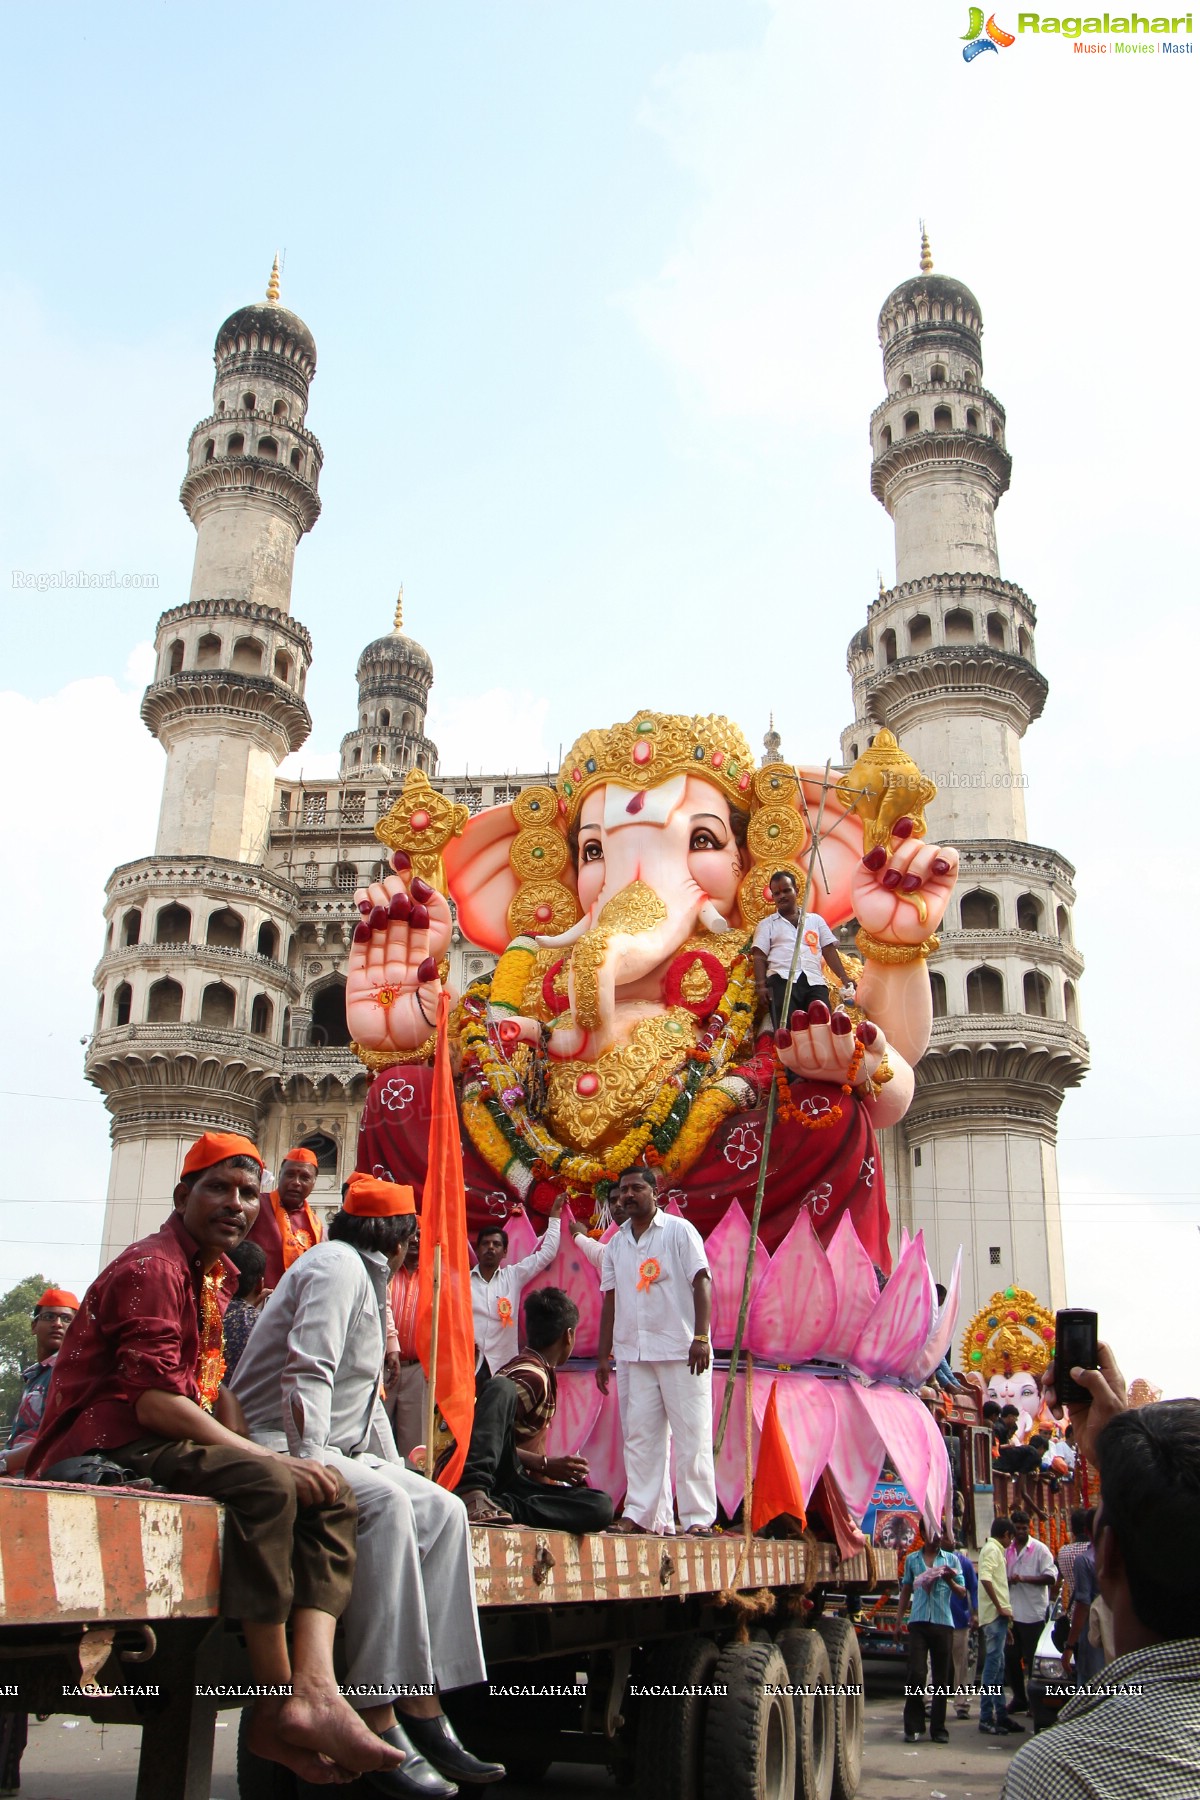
[
  {"x": 901, "y": 897},
  {"x": 392, "y": 983}
]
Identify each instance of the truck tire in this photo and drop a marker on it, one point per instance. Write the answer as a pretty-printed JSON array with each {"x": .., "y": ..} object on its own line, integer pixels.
[
  {"x": 670, "y": 1727},
  {"x": 258, "y": 1779},
  {"x": 846, "y": 1672},
  {"x": 807, "y": 1662},
  {"x": 750, "y": 1736}
]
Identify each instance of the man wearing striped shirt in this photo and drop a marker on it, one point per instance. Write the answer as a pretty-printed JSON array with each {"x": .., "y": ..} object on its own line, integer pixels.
[{"x": 1133, "y": 1732}]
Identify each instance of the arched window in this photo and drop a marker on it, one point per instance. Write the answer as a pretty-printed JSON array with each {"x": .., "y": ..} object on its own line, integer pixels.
[
  {"x": 996, "y": 430},
  {"x": 972, "y": 419},
  {"x": 175, "y": 657},
  {"x": 208, "y": 651},
  {"x": 969, "y": 376},
  {"x": 218, "y": 1006},
  {"x": 173, "y": 925},
  {"x": 131, "y": 927},
  {"x": 248, "y": 656},
  {"x": 937, "y": 990},
  {"x": 1037, "y": 995},
  {"x": 236, "y": 445},
  {"x": 997, "y": 631},
  {"x": 283, "y": 667},
  {"x": 108, "y": 937},
  {"x": 268, "y": 940},
  {"x": 1062, "y": 920},
  {"x": 937, "y": 375},
  {"x": 261, "y": 1015},
  {"x": 345, "y": 877},
  {"x": 268, "y": 447},
  {"x": 906, "y": 384},
  {"x": 887, "y": 644},
  {"x": 329, "y": 1026},
  {"x": 297, "y": 462},
  {"x": 959, "y": 626},
  {"x": 1024, "y": 641},
  {"x": 1070, "y": 1005},
  {"x": 225, "y": 929},
  {"x": 942, "y": 418},
  {"x": 324, "y": 1149},
  {"x": 280, "y": 409},
  {"x": 885, "y": 438},
  {"x": 164, "y": 1003},
  {"x": 385, "y": 718},
  {"x": 356, "y": 759},
  {"x": 210, "y": 449},
  {"x": 311, "y": 876},
  {"x": 979, "y": 911},
  {"x": 854, "y": 753},
  {"x": 912, "y": 422},
  {"x": 1029, "y": 913},
  {"x": 920, "y": 633},
  {"x": 122, "y": 1004},
  {"x": 406, "y": 723},
  {"x": 248, "y": 402},
  {"x": 985, "y": 991}
]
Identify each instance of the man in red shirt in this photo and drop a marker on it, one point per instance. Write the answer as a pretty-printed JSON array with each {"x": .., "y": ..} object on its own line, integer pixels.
[
  {"x": 139, "y": 1378},
  {"x": 286, "y": 1225}
]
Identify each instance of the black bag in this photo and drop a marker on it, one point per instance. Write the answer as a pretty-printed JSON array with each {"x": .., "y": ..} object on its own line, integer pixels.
[{"x": 96, "y": 1470}]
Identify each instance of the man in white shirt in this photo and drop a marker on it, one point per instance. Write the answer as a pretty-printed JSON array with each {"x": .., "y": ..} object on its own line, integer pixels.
[
  {"x": 496, "y": 1288},
  {"x": 1032, "y": 1576},
  {"x": 774, "y": 944},
  {"x": 657, "y": 1290}
]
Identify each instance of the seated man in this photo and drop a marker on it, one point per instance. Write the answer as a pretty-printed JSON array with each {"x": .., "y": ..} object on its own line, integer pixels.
[
  {"x": 139, "y": 1378},
  {"x": 51, "y": 1317},
  {"x": 496, "y": 1287},
  {"x": 508, "y": 1474},
  {"x": 309, "y": 1381}
]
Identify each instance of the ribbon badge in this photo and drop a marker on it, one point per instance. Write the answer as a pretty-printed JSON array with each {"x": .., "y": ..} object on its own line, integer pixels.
[
  {"x": 648, "y": 1274},
  {"x": 504, "y": 1312}
]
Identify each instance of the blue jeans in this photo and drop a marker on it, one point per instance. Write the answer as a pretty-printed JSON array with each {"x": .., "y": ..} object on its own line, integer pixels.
[{"x": 991, "y": 1700}]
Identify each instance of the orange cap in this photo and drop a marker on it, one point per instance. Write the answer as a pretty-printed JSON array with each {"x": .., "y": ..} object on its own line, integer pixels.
[
  {"x": 216, "y": 1147},
  {"x": 56, "y": 1297},
  {"x": 367, "y": 1198},
  {"x": 301, "y": 1156}
]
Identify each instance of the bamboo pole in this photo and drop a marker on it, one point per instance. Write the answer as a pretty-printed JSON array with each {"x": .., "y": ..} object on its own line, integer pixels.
[
  {"x": 431, "y": 1391},
  {"x": 768, "y": 1126},
  {"x": 748, "y": 1502}
]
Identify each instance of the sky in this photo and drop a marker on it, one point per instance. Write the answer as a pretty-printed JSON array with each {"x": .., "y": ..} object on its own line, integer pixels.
[{"x": 594, "y": 285}]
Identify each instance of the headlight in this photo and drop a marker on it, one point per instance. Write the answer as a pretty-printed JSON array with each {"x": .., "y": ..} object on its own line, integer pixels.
[{"x": 1047, "y": 1668}]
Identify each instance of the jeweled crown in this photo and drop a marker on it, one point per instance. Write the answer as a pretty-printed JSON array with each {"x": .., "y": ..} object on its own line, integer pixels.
[{"x": 651, "y": 747}]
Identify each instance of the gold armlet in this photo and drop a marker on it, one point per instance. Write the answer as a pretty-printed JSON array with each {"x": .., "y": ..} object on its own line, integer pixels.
[
  {"x": 375, "y": 1060},
  {"x": 877, "y": 951}
]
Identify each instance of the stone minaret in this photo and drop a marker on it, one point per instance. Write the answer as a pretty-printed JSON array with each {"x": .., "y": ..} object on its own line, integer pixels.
[
  {"x": 947, "y": 662},
  {"x": 394, "y": 677},
  {"x": 194, "y": 979}
]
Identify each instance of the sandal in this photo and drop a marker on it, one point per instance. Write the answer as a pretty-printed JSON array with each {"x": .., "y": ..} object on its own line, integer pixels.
[
  {"x": 703, "y": 1531},
  {"x": 625, "y": 1528},
  {"x": 481, "y": 1510}
]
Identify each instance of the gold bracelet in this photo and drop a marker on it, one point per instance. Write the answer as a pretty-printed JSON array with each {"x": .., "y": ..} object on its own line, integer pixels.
[
  {"x": 376, "y": 1060},
  {"x": 700, "y": 1337},
  {"x": 879, "y": 952}
]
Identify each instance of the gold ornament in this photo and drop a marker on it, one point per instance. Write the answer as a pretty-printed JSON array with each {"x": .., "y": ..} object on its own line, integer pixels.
[
  {"x": 877, "y": 951},
  {"x": 536, "y": 806},
  {"x": 776, "y": 785},
  {"x": 775, "y": 831},
  {"x": 377, "y": 1060},
  {"x": 1012, "y": 1334},
  {"x": 634, "y": 910},
  {"x": 884, "y": 786},
  {"x": 626, "y": 1079},
  {"x": 651, "y": 748},
  {"x": 421, "y": 823},
  {"x": 538, "y": 852}
]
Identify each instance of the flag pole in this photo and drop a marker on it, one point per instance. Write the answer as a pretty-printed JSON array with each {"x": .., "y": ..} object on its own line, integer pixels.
[{"x": 431, "y": 1389}]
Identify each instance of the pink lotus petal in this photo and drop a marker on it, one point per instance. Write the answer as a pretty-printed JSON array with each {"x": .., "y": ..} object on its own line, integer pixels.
[
  {"x": 902, "y": 1317},
  {"x": 572, "y": 1272},
  {"x": 579, "y": 1405},
  {"x": 806, "y": 1411},
  {"x": 857, "y": 1289},
  {"x": 603, "y": 1448},
  {"x": 905, "y": 1240},
  {"x": 939, "y": 1339},
  {"x": 899, "y": 1419},
  {"x": 728, "y": 1246},
  {"x": 523, "y": 1240},
  {"x": 857, "y": 1453},
  {"x": 796, "y": 1302},
  {"x": 731, "y": 1458}
]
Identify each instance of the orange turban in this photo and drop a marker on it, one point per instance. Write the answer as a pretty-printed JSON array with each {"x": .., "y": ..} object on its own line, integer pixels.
[
  {"x": 367, "y": 1198},
  {"x": 57, "y": 1298},
  {"x": 216, "y": 1147},
  {"x": 301, "y": 1156}
]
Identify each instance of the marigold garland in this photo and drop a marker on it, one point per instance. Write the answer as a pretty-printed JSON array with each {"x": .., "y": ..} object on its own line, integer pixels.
[
  {"x": 803, "y": 1115},
  {"x": 211, "y": 1366}
]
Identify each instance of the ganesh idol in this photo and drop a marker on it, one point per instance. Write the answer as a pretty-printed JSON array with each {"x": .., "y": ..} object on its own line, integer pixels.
[{"x": 620, "y": 1024}]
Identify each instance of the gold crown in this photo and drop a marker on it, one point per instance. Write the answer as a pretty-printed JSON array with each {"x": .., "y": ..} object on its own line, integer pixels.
[
  {"x": 1013, "y": 1328},
  {"x": 651, "y": 748}
]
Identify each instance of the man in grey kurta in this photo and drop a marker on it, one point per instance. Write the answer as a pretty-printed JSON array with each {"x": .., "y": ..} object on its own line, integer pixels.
[{"x": 309, "y": 1382}]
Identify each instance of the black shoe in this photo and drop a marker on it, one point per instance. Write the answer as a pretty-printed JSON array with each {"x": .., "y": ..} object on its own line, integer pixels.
[
  {"x": 437, "y": 1740},
  {"x": 415, "y": 1779},
  {"x": 913, "y": 1737},
  {"x": 991, "y": 1730},
  {"x": 940, "y": 1737},
  {"x": 1010, "y": 1725}
]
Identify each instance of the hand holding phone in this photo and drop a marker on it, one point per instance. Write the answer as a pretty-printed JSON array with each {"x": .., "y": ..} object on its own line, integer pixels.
[{"x": 1076, "y": 1346}]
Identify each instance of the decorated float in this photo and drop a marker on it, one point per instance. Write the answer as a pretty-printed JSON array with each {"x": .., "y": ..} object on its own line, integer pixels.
[{"x": 620, "y": 1026}]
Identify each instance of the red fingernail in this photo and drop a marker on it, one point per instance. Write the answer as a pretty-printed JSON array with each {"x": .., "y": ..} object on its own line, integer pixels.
[
  {"x": 841, "y": 1024},
  {"x": 891, "y": 879},
  {"x": 783, "y": 1038},
  {"x": 940, "y": 866},
  {"x": 401, "y": 861},
  {"x": 420, "y": 890},
  {"x": 910, "y": 884},
  {"x": 401, "y": 906},
  {"x": 902, "y": 828},
  {"x": 362, "y": 933},
  {"x": 799, "y": 1022},
  {"x": 379, "y": 918},
  {"x": 875, "y": 859},
  {"x": 364, "y": 907},
  {"x": 419, "y": 917},
  {"x": 867, "y": 1032},
  {"x": 818, "y": 1013},
  {"x": 427, "y": 970}
]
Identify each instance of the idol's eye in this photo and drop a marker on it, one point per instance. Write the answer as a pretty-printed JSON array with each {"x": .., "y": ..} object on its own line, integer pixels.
[
  {"x": 592, "y": 851},
  {"x": 703, "y": 839}
]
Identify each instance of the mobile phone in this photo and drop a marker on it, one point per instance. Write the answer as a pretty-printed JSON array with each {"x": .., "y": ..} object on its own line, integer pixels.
[{"x": 1075, "y": 1347}]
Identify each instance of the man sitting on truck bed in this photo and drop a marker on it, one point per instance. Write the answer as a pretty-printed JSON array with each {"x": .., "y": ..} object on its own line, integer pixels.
[{"x": 138, "y": 1378}]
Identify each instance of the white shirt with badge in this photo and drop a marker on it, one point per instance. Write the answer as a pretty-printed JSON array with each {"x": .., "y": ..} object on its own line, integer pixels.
[
  {"x": 496, "y": 1304},
  {"x": 651, "y": 1278},
  {"x": 775, "y": 936}
]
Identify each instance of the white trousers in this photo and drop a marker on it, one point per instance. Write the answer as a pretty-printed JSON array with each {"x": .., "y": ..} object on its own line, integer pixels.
[
  {"x": 663, "y": 1403},
  {"x": 411, "y": 1620}
]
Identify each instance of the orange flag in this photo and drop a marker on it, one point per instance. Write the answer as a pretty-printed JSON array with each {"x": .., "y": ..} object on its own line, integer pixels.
[
  {"x": 776, "y": 1478},
  {"x": 444, "y": 1223}
]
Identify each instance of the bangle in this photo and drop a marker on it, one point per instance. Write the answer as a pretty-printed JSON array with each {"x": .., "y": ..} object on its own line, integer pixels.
[
  {"x": 700, "y": 1337},
  {"x": 877, "y": 951}
]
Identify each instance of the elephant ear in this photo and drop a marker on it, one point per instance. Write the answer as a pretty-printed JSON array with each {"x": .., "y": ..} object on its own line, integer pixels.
[
  {"x": 840, "y": 850},
  {"x": 509, "y": 873}
]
